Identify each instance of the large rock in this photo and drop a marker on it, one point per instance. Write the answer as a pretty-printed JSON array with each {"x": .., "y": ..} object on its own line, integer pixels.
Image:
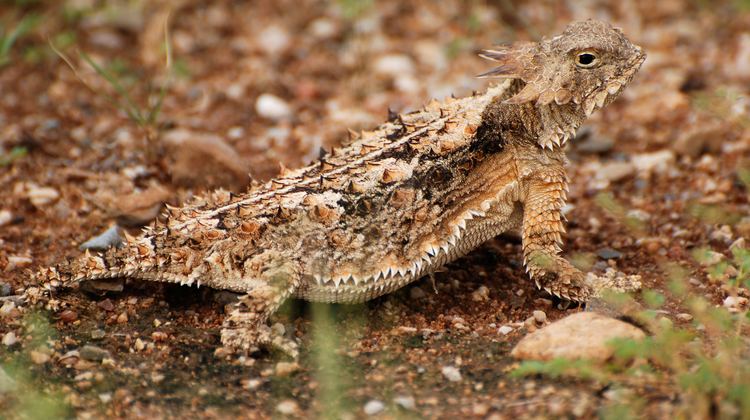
[{"x": 584, "y": 335}]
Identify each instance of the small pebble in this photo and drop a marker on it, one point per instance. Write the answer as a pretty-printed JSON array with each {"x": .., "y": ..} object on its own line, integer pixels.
[
  {"x": 405, "y": 401},
  {"x": 505, "y": 330},
  {"x": 480, "y": 409},
  {"x": 41, "y": 196},
  {"x": 93, "y": 353},
  {"x": 68, "y": 316},
  {"x": 286, "y": 368},
  {"x": 608, "y": 254},
  {"x": 482, "y": 294},
  {"x": 252, "y": 384},
  {"x": 139, "y": 344},
  {"x": 735, "y": 303},
  {"x": 10, "y": 339},
  {"x": 684, "y": 317},
  {"x": 38, "y": 357},
  {"x": 374, "y": 407},
  {"x": 17, "y": 261},
  {"x": 159, "y": 336},
  {"x": 7, "y": 308},
  {"x": 106, "y": 305},
  {"x": 107, "y": 239},
  {"x": 97, "y": 334},
  {"x": 5, "y": 289},
  {"x": 393, "y": 65},
  {"x": 122, "y": 318},
  {"x": 272, "y": 107},
  {"x": 540, "y": 317},
  {"x": 287, "y": 407},
  {"x": 451, "y": 373},
  {"x": 5, "y": 217}
]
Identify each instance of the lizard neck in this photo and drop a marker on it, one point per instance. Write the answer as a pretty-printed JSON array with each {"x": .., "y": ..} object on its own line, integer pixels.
[
  {"x": 546, "y": 126},
  {"x": 550, "y": 125}
]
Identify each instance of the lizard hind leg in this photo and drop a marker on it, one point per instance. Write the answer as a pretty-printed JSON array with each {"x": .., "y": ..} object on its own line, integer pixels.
[{"x": 246, "y": 326}]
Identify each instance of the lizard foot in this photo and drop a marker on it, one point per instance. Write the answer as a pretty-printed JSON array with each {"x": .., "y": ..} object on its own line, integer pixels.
[
  {"x": 613, "y": 280},
  {"x": 245, "y": 331},
  {"x": 565, "y": 282}
]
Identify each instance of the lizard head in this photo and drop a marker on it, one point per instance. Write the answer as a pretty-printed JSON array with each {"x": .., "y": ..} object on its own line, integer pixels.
[{"x": 588, "y": 65}]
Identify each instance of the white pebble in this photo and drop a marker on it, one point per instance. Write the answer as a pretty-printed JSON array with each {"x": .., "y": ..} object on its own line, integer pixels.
[
  {"x": 374, "y": 407},
  {"x": 394, "y": 65},
  {"x": 505, "y": 330},
  {"x": 236, "y": 133},
  {"x": 272, "y": 107},
  {"x": 274, "y": 39},
  {"x": 287, "y": 407},
  {"x": 7, "y": 307},
  {"x": 10, "y": 339},
  {"x": 540, "y": 317},
  {"x": 405, "y": 401},
  {"x": 481, "y": 294},
  {"x": 40, "y": 196},
  {"x": 735, "y": 303},
  {"x": 17, "y": 261},
  {"x": 653, "y": 162},
  {"x": 684, "y": 317},
  {"x": 323, "y": 28},
  {"x": 451, "y": 373},
  {"x": 5, "y": 217}
]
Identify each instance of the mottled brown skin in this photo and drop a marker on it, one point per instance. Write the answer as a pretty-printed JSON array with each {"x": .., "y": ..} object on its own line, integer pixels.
[{"x": 399, "y": 202}]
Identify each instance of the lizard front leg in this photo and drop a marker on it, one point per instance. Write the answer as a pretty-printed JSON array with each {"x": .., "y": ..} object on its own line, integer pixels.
[
  {"x": 245, "y": 326},
  {"x": 542, "y": 231}
]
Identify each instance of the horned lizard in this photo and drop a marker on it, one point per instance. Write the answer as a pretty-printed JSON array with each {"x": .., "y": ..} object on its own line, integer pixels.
[{"x": 396, "y": 203}]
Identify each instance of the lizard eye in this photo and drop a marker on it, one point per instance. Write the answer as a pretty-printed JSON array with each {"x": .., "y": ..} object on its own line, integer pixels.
[{"x": 587, "y": 60}]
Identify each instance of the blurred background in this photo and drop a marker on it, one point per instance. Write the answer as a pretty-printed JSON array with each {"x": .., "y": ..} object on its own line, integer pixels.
[{"x": 110, "y": 108}]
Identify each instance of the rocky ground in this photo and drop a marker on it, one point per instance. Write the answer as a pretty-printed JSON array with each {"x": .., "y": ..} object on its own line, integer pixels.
[{"x": 253, "y": 86}]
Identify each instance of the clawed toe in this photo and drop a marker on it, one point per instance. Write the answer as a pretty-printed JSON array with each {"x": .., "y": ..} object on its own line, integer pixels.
[{"x": 245, "y": 341}]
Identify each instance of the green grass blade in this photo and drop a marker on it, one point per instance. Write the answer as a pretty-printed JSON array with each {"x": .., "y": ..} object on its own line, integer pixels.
[{"x": 130, "y": 108}]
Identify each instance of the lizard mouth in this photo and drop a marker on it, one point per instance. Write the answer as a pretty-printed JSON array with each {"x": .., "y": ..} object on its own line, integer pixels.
[{"x": 611, "y": 88}]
